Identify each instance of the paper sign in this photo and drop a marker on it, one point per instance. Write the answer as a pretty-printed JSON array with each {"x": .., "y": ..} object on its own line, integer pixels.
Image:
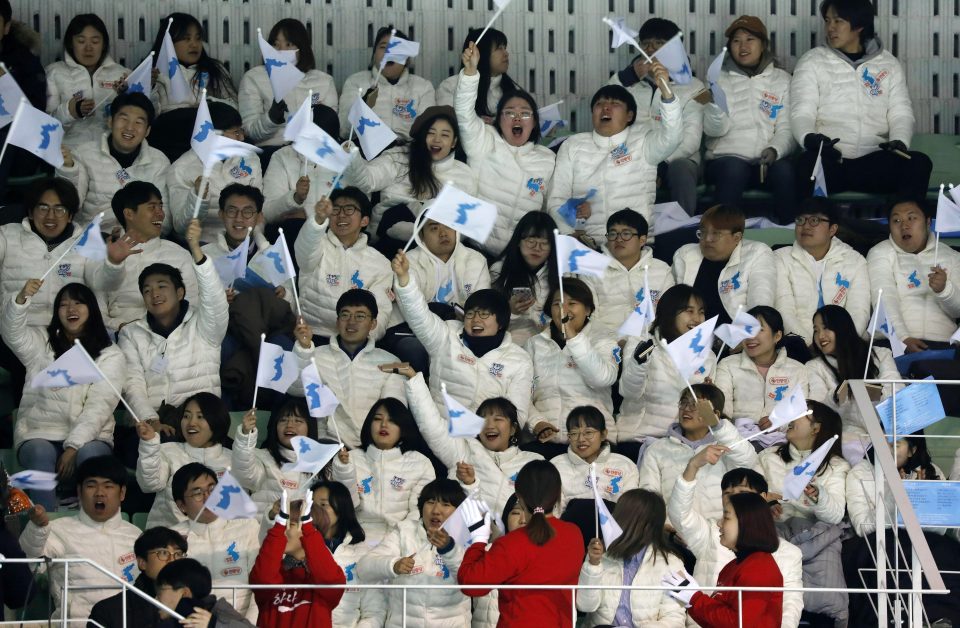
[
  {"x": 918, "y": 405},
  {"x": 934, "y": 502}
]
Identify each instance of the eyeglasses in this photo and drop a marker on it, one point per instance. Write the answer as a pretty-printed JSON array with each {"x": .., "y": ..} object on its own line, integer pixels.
[
  {"x": 712, "y": 236},
  {"x": 57, "y": 210},
  {"x": 357, "y": 316},
  {"x": 587, "y": 434},
  {"x": 687, "y": 404},
  {"x": 813, "y": 221},
  {"x": 346, "y": 210},
  {"x": 626, "y": 236},
  {"x": 517, "y": 115},
  {"x": 164, "y": 554},
  {"x": 481, "y": 314},
  {"x": 536, "y": 243},
  {"x": 200, "y": 494},
  {"x": 233, "y": 212}
]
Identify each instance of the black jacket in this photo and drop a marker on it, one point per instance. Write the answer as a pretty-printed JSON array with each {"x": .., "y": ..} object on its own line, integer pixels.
[{"x": 141, "y": 613}]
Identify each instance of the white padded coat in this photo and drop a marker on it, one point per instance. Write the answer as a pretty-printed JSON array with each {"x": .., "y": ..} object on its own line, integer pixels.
[
  {"x": 823, "y": 383},
  {"x": 257, "y": 471},
  {"x": 751, "y": 396},
  {"x": 358, "y": 608},
  {"x": 616, "y": 475},
  {"x": 256, "y": 98},
  {"x": 831, "y": 483},
  {"x": 748, "y": 279},
  {"x": 67, "y": 79},
  {"x": 398, "y": 104},
  {"x": 448, "y": 88},
  {"x": 162, "y": 87},
  {"x": 654, "y": 609},
  {"x": 620, "y": 291},
  {"x": 280, "y": 182}
]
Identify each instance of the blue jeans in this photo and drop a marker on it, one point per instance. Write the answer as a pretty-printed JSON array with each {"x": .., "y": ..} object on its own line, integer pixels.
[{"x": 42, "y": 455}]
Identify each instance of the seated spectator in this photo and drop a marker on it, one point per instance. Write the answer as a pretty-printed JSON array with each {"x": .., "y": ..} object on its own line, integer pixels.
[
  {"x": 617, "y": 159},
  {"x": 175, "y": 351},
  {"x": 100, "y": 167},
  {"x": 154, "y": 549},
  {"x": 350, "y": 365},
  {"x": 748, "y": 146},
  {"x": 202, "y": 437},
  {"x": 681, "y": 169},
  {"x": 853, "y": 78},
  {"x": 820, "y": 269},
  {"x": 334, "y": 257},
  {"x": 16, "y": 585},
  {"x": 97, "y": 533},
  {"x": 491, "y": 66},
  {"x": 185, "y": 587},
  {"x": 726, "y": 269},
  {"x": 918, "y": 278},
  {"x": 57, "y": 429}
]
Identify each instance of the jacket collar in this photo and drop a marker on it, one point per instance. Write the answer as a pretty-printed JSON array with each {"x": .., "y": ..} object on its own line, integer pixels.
[
  {"x": 747, "y": 364},
  {"x": 578, "y": 461},
  {"x": 357, "y": 246},
  {"x": 646, "y": 254},
  {"x": 871, "y": 50},
  {"x": 141, "y": 155},
  {"x": 931, "y": 242},
  {"x": 674, "y": 433},
  {"x": 109, "y": 524},
  {"x": 609, "y": 142},
  {"x": 376, "y": 454}
]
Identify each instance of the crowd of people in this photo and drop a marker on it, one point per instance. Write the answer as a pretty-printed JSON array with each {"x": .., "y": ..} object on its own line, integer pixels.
[{"x": 572, "y": 405}]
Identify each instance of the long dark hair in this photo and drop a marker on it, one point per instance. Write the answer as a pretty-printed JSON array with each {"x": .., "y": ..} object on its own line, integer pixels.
[
  {"x": 849, "y": 349},
  {"x": 642, "y": 515},
  {"x": 296, "y": 33},
  {"x": 296, "y": 406},
  {"x": 76, "y": 26},
  {"x": 94, "y": 336},
  {"x": 673, "y": 301},
  {"x": 420, "y": 163},
  {"x": 514, "y": 272},
  {"x": 920, "y": 459},
  {"x": 538, "y": 485},
  {"x": 830, "y": 425},
  {"x": 342, "y": 505},
  {"x": 756, "y": 530},
  {"x": 491, "y": 41},
  {"x": 216, "y": 415},
  {"x": 218, "y": 83}
]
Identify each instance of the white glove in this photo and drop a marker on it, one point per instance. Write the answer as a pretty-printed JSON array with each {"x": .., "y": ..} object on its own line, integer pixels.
[
  {"x": 685, "y": 586},
  {"x": 306, "y": 512},
  {"x": 401, "y": 230},
  {"x": 478, "y": 520},
  {"x": 283, "y": 514}
]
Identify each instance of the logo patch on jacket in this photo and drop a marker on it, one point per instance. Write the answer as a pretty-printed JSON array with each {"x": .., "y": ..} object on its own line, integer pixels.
[
  {"x": 770, "y": 105},
  {"x": 466, "y": 359},
  {"x": 289, "y": 484},
  {"x": 398, "y": 482},
  {"x": 621, "y": 155},
  {"x": 913, "y": 281},
  {"x": 404, "y": 108},
  {"x": 233, "y": 555},
  {"x": 65, "y": 270},
  {"x": 535, "y": 186},
  {"x": 872, "y": 82},
  {"x": 365, "y": 485},
  {"x": 241, "y": 170},
  {"x": 122, "y": 176},
  {"x": 444, "y": 572},
  {"x": 333, "y": 280},
  {"x": 730, "y": 285},
  {"x": 777, "y": 394},
  {"x": 496, "y": 369}
]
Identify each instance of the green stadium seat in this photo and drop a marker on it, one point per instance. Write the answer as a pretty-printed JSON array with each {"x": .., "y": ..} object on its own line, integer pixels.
[
  {"x": 263, "y": 417},
  {"x": 140, "y": 520}
]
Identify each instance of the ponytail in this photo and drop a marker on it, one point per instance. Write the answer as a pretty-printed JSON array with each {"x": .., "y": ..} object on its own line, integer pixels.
[{"x": 538, "y": 487}]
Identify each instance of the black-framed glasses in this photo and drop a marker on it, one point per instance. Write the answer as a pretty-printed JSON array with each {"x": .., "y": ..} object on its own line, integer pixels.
[
  {"x": 712, "y": 236},
  {"x": 357, "y": 316},
  {"x": 813, "y": 221},
  {"x": 626, "y": 236},
  {"x": 57, "y": 210},
  {"x": 246, "y": 212},
  {"x": 481, "y": 314},
  {"x": 164, "y": 554},
  {"x": 346, "y": 210}
]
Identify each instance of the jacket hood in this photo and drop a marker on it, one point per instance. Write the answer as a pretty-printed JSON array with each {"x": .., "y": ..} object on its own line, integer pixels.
[
  {"x": 676, "y": 433},
  {"x": 871, "y": 49},
  {"x": 767, "y": 60}
]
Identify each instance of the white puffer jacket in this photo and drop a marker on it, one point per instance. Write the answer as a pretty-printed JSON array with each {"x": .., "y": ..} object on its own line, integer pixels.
[
  {"x": 759, "y": 114},
  {"x": 185, "y": 362},
  {"x": 97, "y": 177},
  {"x": 68, "y": 79},
  {"x": 655, "y": 609},
  {"x": 748, "y": 279},
  {"x": 702, "y": 537},
  {"x": 109, "y": 544},
  {"x": 157, "y": 464},
  {"x": 495, "y": 471},
  {"x": 327, "y": 270},
  {"x": 622, "y": 168},
  {"x": 357, "y": 383},
  {"x": 831, "y": 483},
  {"x": 751, "y": 396},
  {"x": 650, "y": 106},
  {"x": 228, "y": 548},
  {"x": 280, "y": 183},
  {"x": 621, "y": 289},
  {"x": 861, "y": 503},
  {"x": 397, "y": 104},
  {"x": 189, "y": 72},
  {"x": 358, "y": 608},
  {"x": 616, "y": 475},
  {"x": 502, "y": 372},
  {"x": 840, "y": 277},
  {"x": 24, "y": 255},
  {"x": 388, "y": 482},
  {"x": 440, "y": 608},
  {"x": 666, "y": 458},
  {"x": 75, "y": 415},
  {"x": 823, "y": 383},
  {"x": 651, "y": 391},
  {"x": 530, "y": 323},
  {"x": 180, "y": 192},
  {"x": 915, "y": 310},
  {"x": 863, "y": 103},
  {"x": 515, "y": 178},
  {"x": 449, "y": 87},
  {"x": 257, "y": 471},
  {"x": 580, "y": 374},
  {"x": 256, "y": 98}
]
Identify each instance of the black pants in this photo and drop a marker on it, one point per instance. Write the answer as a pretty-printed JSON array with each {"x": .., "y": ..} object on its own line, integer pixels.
[
  {"x": 880, "y": 172},
  {"x": 732, "y": 176}
]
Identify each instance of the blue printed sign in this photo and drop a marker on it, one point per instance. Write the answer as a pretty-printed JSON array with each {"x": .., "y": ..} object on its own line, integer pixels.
[
  {"x": 918, "y": 405},
  {"x": 934, "y": 502}
]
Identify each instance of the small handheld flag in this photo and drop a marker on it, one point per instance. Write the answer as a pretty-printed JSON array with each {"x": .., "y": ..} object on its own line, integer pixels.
[
  {"x": 574, "y": 257},
  {"x": 317, "y": 146},
  {"x": 742, "y": 327},
  {"x": 609, "y": 527},
  {"x": 274, "y": 264},
  {"x": 501, "y": 6},
  {"x": 713, "y": 78},
  {"x": 229, "y": 501},
  {"x": 674, "y": 57},
  {"x": 881, "y": 321},
  {"x": 73, "y": 368},
  {"x": 689, "y": 352},
  {"x": 948, "y": 213},
  {"x": 276, "y": 369},
  {"x": 463, "y": 423},
  {"x": 801, "y": 474},
  {"x": 36, "y": 132},
  {"x": 819, "y": 179},
  {"x": 399, "y": 50},
  {"x": 140, "y": 80},
  {"x": 89, "y": 244},
  {"x": 642, "y": 314},
  {"x": 10, "y": 96},
  {"x": 789, "y": 409},
  {"x": 551, "y": 118},
  {"x": 169, "y": 66},
  {"x": 321, "y": 402},
  {"x": 621, "y": 33},
  {"x": 569, "y": 209},
  {"x": 300, "y": 119},
  {"x": 374, "y": 135},
  {"x": 233, "y": 265},
  {"x": 464, "y": 213},
  {"x": 34, "y": 480},
  {"x": 202, "y": 137},
  {"x": 281, "y": 66},
  {"x": 458, "y": 523},
  {"x": 311, "y": 455}
]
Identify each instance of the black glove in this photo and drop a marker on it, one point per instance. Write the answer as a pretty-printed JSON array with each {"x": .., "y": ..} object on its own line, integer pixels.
[
  {"x": 277, "y": 111},
  {"x": 812, "y": 143},
  {"x": 893, "y": 145},
  {"x": 642, "y": 352}
]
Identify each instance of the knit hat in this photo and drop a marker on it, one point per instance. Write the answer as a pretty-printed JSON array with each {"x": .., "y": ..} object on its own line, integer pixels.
[{"x": 750, "y": 24}]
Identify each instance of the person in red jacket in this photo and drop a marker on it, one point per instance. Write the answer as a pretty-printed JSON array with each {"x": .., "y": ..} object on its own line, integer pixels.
[
  {"x": 545, "y": 551},
  {"x": 747, "y": 529},
  {"x": 294, "y": 553}
]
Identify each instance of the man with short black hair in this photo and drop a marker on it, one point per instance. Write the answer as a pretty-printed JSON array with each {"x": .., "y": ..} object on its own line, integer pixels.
[{"x": 185, "y": 586}]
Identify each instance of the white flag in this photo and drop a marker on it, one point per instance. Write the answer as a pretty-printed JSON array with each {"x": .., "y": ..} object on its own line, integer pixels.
[
  {"x": 797, "y": 478},
  {"x": 73, "y": 368},
  {"x": 609, "y": 527},
  {"x": 233, "y": 265},
  {"x": 374, "y": 135},
  {"x": 35, "y": 480},
  {"x": 882, "y": 323},
  {"x": 229, "y": 501},
  {"x": 281, "y": 66},
  {"x": 36, "y": 132},
  {"x": 314, "y": 144},
  {"x": 948, "y": 214},
  {"x": 399, "y": 50},
  {"x": 461, "y": 212},
  {"x": 311, "y": 455},
  {"x": 10, "y": 96},
  {"x": 274, "y": 264},
  {"x": 457, "y": 524},
  {"x": 674, "y": 57},
  {"x": 789, "y": 409},
  {"x": 321, "y": 401},
  {"x": 169, "y": 64},
  {"x": 622, "y": 34},
  {"x": 713, "y": 79},
  {"x": 202, "y": 138},
  {"x": 277, "y": 369},
  {"x": 689, "y": 352},
  {"x": 140, "y": 80},
  {"x": 574, "y": 257},
  {"x": 501, "y": 4},
  {"x": 90, "y": 244},
  {"x": 955, "y": 194},
  {"x": 955, "y": 338},
  {"x": 551, "y": 118},
  {"x": 463, "y": 423},
  {"x": 299, "y": 120},
  {"x": 221, "y": 148},
  {"x": 819, "y": 179},
  {"x": 742, "y": 327},
  {"x": 643, "y": 313}
]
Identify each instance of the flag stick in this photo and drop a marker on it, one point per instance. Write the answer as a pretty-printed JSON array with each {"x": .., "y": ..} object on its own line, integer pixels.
[
  {"x": 664, "y": 87},
  {"x": 309, "y": 98},
  {"x": 77, "y": 343},
  {"x": 336, "y": 431},
  {"x": 293, "y": 280},
  {"x": 769, "y": 429},
  {"x": 69, "y": 248},
  {"x": 417, "y": 220},
  {"x": 596, "y": 506},
  {"x": 873, "y": 331},
  {"x": 13, "y": 124},
  {"x": 813, "y": 175},
  {"x": 563, "y": 322},
  {"x": 376, "y": 79},
  {"x": 203, "y": 183},
  {"x": 936, "y": 249},
  {"x": 256, "y": 383},
  {"x": 492, "y": 20}
]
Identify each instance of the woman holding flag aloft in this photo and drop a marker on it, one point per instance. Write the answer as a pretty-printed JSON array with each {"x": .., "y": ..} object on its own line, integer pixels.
[{"x": 492, "y": 65}]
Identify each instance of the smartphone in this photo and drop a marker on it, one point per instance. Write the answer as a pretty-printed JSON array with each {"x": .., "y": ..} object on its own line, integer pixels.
[{"x": 524, "y": 294}]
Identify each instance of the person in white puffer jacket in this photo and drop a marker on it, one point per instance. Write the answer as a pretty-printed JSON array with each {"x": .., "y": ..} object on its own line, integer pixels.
[
  {"x": 334, "y": 257},
  {"x": 351, "y": 366},
  {"x": 202, "y": 437},
  {"x": 702, "y": 538},
  {"x": 851, "y": 97},
  {"x": 419, "y": 551},
  {"x": 618, "y": 159},
  {"x": 820, "y": 269},
  {"x": 395, "y": 95},
  {"x": 476, "y": 359},
  {"x": 175, "y": 351},
  {"x": 389, "y": 469},
  {"x": 492, "y": 65},
  {"x": 264, "y": 118},
  {"x": 748, "y": 144},
  {"x": 97, "y": 533},
  {"x": 728, "y": 270},
  {"x": 102, "y": 166},
  {"x": 87, "y": 77},
  {"x": 639, "y": 557},
  {"x": 922, "y": 302},
  {"x": 513, "y": 171},
  {"x": 58, "y": 428},
  {"x": 491, "y": 461}
]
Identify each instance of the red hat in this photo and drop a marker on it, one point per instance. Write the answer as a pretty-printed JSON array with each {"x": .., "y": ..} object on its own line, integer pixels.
[{"x": 748, "y": 23}]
